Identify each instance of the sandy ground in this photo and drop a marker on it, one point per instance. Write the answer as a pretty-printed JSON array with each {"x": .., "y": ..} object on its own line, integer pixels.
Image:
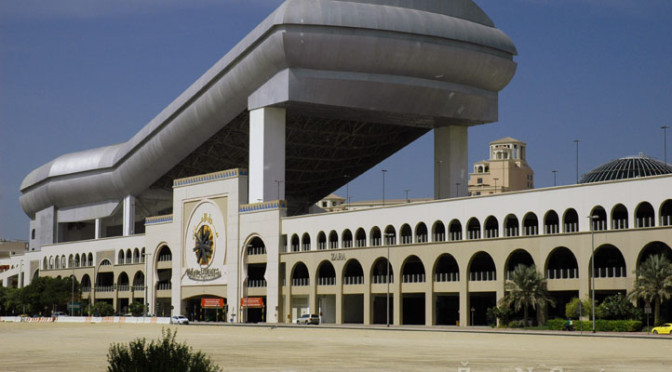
[{"x": 83, "y": 347}]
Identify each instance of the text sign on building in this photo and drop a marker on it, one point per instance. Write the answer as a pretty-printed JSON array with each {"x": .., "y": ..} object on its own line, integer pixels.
[
  {"x": 251, "y": 302},
  {"x": 212, "y": 303}
]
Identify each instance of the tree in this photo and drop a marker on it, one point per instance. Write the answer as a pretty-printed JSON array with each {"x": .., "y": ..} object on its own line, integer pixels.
[
  {"x": 162, "y": 355},
  {"x": 527, "y": 288},
  {"x": 102, "y": 308},
  {"x": 617, "y": 307},
  {"x": 653, "y": 283},
  {"x": 137, "y": 308}
]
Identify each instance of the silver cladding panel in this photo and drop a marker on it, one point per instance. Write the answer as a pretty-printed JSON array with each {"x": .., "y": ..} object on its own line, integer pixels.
[{"x": 424, "y": 53}]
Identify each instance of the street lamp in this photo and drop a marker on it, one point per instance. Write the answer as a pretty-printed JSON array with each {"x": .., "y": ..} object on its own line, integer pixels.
[
  {"x": 439, "y": 162},
  {"x": 387, "y": 311},
  {"x": 496, "y": 179},
  {"x": 347, "y": 191},
  {"x": 406, "y": 191},
  {"x": 592, "y": 264},
  {"x": 664, "y": 128},
  {"x": 384, "y": 171},
  {"x": 147, "y": 257},
  {"x": 577, "y": 159}
]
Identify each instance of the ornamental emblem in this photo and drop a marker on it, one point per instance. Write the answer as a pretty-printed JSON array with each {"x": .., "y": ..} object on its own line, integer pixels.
[{"x": 204, "y": 246}]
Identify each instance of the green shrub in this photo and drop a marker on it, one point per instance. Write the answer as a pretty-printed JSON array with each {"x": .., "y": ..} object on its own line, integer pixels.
[
  {"x": 601, "y": 325},
  {"x": 137, "y": 308},
  {"x": 102, "y": 308},
  {"x": 162, "y": 355}
]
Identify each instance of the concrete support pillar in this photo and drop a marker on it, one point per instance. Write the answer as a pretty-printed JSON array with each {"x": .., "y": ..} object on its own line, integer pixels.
[
  {"x": 98, "y": 229},
  {"x": 429, "y": 304},
  {"x": 451, "y": 162},
  {"x": 129, "y": 215},
  {"x": 396, "y": 299},
  {"x": 339, "y": 301},
  {"x": 312, "y": 298},
  {"x": 267, "y": 154},
  {"x": 367, "y": 303},
  {"x": 464, "y": 297}
]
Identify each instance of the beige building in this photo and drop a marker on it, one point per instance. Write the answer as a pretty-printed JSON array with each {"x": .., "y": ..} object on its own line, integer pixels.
[{"x": 506, "y": 170}]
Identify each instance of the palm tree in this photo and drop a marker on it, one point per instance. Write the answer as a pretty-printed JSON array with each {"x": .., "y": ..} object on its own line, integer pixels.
[
  {"x": 526, "y": 288},
  {"x": 653, "y": 283}
]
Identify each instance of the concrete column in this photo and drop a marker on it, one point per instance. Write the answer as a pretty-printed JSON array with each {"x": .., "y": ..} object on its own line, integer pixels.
[
  {"x": 99, "y": 228},
  {"x": 395, "y": 288},
  {"x": 451, "y": 162},
  {"x": 129, "y": 215},
  {"x": 464, "y": 297},
  {"x": 429, "y": 304},
  {"x": 267, "y": 154},
  {"x": 367, "y": 301},
  {"x": 339, "y": 300}
]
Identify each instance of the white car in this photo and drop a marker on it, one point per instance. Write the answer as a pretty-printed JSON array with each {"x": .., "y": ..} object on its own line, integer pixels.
[{"x": 179, "y": 319}]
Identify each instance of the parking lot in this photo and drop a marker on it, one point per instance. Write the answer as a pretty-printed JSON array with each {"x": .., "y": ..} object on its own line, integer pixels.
[{"x": 62, "y": 346}]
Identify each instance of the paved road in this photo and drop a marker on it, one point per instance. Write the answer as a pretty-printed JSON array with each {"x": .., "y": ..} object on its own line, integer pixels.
[{"x": 67, "y": 347}]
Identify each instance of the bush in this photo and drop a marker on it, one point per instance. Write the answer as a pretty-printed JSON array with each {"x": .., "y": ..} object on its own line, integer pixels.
[
  {"x": 137, "y": 308},
  {"x": 618, "y": 307},
  {"x": 572, "y": 308},
  {"x": 601, "y": 325},
  {"x": 103, "y": 309},
  {"x": 164, "y": 354}
]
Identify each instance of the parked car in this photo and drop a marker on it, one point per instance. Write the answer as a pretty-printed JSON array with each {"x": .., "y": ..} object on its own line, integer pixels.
[
  {"x": 59, "y": 313},
  {"x": 665, "y": 329},
  {"x": 179, "y": 319},
  {"x": 308, "y": 319}
]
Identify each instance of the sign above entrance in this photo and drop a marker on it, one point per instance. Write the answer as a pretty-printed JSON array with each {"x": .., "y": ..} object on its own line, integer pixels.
[
  {"x": 212, "y": 303},
  {"x": 252, "y": 302},
  {"x": 204, "y": 254}
]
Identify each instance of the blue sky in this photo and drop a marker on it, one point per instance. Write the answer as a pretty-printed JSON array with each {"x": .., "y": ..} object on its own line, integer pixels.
[{"x": 79, "y": 74}]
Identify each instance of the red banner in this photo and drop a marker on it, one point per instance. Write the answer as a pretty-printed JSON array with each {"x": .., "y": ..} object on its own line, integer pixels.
[
  {"x": 212, "y": 303},
  {"x": 252, "y": 302}
]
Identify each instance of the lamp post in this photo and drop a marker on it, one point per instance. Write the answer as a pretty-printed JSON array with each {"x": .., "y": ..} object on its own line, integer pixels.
[
  {"x": 555, "y": 172},
  {"x": 147, "y": 257},
  {"x": 577, "y": 159},
  {"x": 592, "y": 265},
  {"x": 406, "y": 191},
  {"x": 347, "y": 191},
  {"x": 439, "y": 162},
  {"x": 496, "y": 179},
  {"x": 384, "y": 171},
  {"x": 664, "y": 128},
  {"x": 387, "y": 310}
]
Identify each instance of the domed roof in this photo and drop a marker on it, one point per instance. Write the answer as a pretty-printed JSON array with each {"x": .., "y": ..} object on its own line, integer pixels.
[{"x": 628, "y": 167}]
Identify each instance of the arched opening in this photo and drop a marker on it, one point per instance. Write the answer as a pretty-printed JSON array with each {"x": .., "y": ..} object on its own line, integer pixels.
[
  {"x": 136, "y": 256},
  {"x": 609, "y": 262},
  {"x": 57, "y": 263},
  {"x": 438, "y": 232},
  {"x": 412, "y": 270},
  {"x": 511, "y": 225},
  {"x": 326, "y": 275},
  {"x": 654, "y": 248},
  {"x": 421, "y": 235},
  {"x": 644, "y": 215},
  {"x": 164, "y": 284},
  {"x": 360, "y": 238},
  {"x": 482, "y": 267},
  {"x": 77, "y": 260},
  {"x": 333, "y": 240},
  {"x": 473, "y": 229},
  {"x": 295, "y": 243},
  {"x": 619, "y": 217},
  {"x": 666, "y": 213},
  {"x": 123, "y": 286},
  {"x": 305, "y": 242},
  {"x": 383, "y": 310},
  {"x": 121, "y": 257},
  {"x": 346, "y": 239},
  {"x": 561, "y": 264},
  {"x": 71, "y": 261},
  {"x": 390, "y": 235},
  {"x": 598, "y": 217},
  {"x": 139, "y": 283},
  {"x": 491, "y": 227},
  {"x": 129, "y": 256},
  {"x": 530, "y": 224},
  {"x": 321, "y": 240},
  {"x": 353, "y": 304},
  {"x": 406, "y": 234},
  {"x": 86, "y": 283},
  {"x": 164, "y": 255},
  {"x": 300, "y": 276},
  {"x": 446, "y": 269},
  {"x": 517, "y": 257},
  {"x": 256, "y": 247},
  {"x": 375, "y": 237},
  {"x": 551, "y": 223},
  {"x": 455, "y": 230},
  {"x": 45, "y": 264},
  {"x": 90, "y": 261},
  {"x": 570, "y": 221}
]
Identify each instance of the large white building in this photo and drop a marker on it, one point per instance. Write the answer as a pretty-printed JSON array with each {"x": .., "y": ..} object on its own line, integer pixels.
[{"x": 207, "y": 204}]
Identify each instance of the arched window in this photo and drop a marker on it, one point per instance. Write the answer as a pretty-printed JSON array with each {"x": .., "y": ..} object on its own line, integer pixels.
[
  {"x": 346, "y": 239},
  {"x": 360, "y": 238},
  {"x": 666, "y": 213},
  {"x": 511, "y": 225},
  {"x": 129, "y": 256},
  {"x": 446, "y": 269},
  {"x": 326, "y": 275},
  {"x": 295, "y": 243},
  {"x": 473, "y": 229},
  {"x": 551, "y": 223},
  {"x": 333, "y": 240},
  {"x": 561, "y": 264},
  {"x": 482, "y": 268},
  {"x": 353, "y": 273},
  {"x": 300, "y": 276},
  {"x": 375, "y": 237},
  {"x": 321, "y": 240},
  {"x": 412, "y": 270},
  {"x": 121, "y": 257},
  {"x": 530, "y": 224},
  {"x": 570, "y": 221},
  {"x": 390, "y": 235},
  {"x": 438, "y": 232},
  {"x": 517, "y": 257},
  {"x": 619, "y": 217},
  {"x": 455, "y": 230},
  {"x": 406, "y": 234},
  {"x": 305, "y": 242},
  {"x": 644, "y": 215},
  {"x": 598, "y": 217},
  {"x": 380, "y": 271},
  {"x": 421, "y": 233},
  {"x": 609, "y": 262}
]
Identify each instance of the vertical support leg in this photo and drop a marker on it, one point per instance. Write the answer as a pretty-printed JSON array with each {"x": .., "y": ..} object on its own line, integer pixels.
[
  {"x": 267, "y": 154},
  {"x": 451, "y": 162},
  {"x": 129, "y": 215}
]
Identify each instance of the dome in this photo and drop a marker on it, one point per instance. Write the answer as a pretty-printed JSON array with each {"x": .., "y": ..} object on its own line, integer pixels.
[{"x": 628, "y": 167}]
